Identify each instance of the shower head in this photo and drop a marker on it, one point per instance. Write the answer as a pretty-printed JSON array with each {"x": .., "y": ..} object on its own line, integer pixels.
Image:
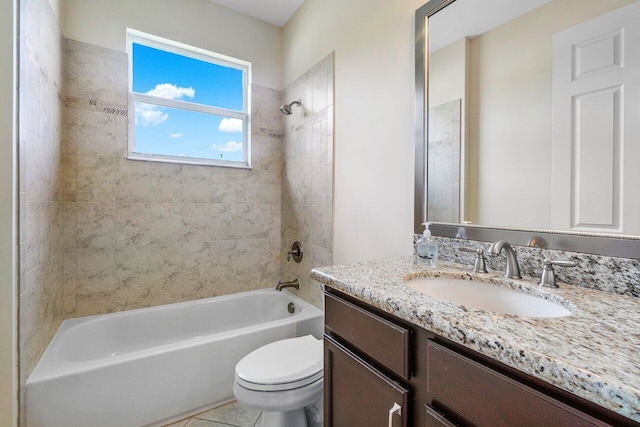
[{"x": 286, "y": 108}]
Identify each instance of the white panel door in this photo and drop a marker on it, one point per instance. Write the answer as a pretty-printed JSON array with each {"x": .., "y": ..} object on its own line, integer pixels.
[{"x": 595, "y": 146}]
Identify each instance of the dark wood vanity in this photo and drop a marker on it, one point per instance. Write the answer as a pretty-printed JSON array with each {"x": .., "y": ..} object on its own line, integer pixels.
[{"x": 384, "y": 371}]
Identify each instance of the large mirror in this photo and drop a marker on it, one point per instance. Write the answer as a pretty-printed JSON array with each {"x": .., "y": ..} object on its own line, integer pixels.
[{"x": 528, "y": 115}]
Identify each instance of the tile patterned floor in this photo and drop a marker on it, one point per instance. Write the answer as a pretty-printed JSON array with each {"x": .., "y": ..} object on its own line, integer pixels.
[{"x": 229, "y": 415}]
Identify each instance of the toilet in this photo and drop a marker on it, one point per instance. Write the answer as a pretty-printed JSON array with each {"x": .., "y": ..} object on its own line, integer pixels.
[{"x": 284, "y": 380}]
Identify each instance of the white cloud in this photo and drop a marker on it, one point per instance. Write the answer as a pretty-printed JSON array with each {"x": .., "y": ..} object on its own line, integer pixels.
[
  {"x": 176, "y": 135},
  {"x": 171, "y": 91},
  {"x": 150, "y": 115},
  {"x": 153, "y": 115},
  {"x": 229, "y": 147},
  {"x": 230, "y": 125}
]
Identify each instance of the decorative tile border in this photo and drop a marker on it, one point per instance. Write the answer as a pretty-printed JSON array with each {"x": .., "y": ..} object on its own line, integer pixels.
[{"x": 96, "y": 105}]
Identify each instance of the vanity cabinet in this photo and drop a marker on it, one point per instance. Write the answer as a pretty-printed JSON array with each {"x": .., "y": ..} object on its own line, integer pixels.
[
  {"x": 376, "y": 363},
  {"x": 363, "y": 391}
]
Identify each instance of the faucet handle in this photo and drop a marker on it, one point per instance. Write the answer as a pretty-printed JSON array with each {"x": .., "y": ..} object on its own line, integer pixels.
[
  {"x": 465, "y": 249},
  {"x": 295, "y": 252},
  {"x": 560, "y": 263},
  {"x": 548, "y": 278},
  {"x": 480, "y": 266}
]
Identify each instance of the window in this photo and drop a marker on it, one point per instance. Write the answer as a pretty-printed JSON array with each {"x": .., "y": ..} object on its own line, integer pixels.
[{"x": 186, "y": 105}]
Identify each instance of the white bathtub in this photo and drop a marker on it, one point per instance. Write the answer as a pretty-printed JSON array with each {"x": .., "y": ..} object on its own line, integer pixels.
[{"x": 146, "y": 366}]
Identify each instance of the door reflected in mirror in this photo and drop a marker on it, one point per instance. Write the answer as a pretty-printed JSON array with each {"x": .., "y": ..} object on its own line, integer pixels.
[{"x": 533, "y": 114}]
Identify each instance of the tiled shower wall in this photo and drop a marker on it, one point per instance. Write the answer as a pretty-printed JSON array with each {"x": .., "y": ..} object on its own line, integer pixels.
[
  {"x": 139, "y": 233},
  {"x": 307, "y": 181},
  {"x": 40, "y": 188},
  {"x": 443, "y": 171}
]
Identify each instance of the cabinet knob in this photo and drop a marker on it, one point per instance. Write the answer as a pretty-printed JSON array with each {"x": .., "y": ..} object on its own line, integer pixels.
[{"x": 395, "y": 408}]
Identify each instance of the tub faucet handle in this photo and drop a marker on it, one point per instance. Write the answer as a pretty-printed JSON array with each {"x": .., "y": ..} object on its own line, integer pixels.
[{"x": 295, "y": 252}]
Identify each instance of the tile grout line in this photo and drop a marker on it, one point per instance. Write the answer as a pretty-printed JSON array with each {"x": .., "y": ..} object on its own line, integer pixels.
[{"x": 214, "y": 422}]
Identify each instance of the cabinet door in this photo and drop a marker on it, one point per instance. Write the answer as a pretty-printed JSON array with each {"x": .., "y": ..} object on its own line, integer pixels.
[{"x": 358, "y": 395}]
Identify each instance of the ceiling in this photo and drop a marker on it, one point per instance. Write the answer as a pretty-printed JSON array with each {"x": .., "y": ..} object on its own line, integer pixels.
[
  {"x": 470, "y": 18},
  {"x": 458, "y": 20},
  {"x": 276, "y": 12}
]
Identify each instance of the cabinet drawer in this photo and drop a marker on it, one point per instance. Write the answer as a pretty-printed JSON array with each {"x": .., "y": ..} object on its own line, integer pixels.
[
  {"x": 488, "y": 398},
  {"x": 383, "y": 341},
  {"x": 358, "y": 395},
  {"x": 435, "y": 419}
]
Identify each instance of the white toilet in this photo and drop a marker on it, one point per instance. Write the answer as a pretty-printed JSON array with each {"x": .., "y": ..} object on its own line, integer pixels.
[{"x": 284, "y": 380}]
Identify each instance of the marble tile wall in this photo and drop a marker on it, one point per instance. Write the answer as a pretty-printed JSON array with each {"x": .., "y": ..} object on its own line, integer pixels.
[
  {"x": 138, "y": 233},
  {"x": 40, "y": 184},
  {"x": 307, "y": 181},
  {"x": 608, "y": 274}
]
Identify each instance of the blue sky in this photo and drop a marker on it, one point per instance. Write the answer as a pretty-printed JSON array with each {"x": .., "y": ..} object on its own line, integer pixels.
[{"x": 175, "y": 132}]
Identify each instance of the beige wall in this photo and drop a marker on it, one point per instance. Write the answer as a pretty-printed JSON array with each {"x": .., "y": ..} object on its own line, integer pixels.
[
  {"x": 373, "y": 42},
  {"x": 448, "y": 73},
  {"x": 199, "y": 23},
  {"x": 8, "y": 209},
  {"x": 511, "y": 92}
]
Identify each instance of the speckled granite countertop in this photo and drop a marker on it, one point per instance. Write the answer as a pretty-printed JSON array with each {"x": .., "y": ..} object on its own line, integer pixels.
[{"x": 593, "y": 353}]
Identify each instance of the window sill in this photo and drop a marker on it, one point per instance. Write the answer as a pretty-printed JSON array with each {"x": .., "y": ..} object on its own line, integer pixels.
[{"x": 187, "y": 161}]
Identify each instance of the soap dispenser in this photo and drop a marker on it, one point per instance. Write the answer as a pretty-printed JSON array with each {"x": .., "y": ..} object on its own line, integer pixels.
[{"x": 426, "y": 247}]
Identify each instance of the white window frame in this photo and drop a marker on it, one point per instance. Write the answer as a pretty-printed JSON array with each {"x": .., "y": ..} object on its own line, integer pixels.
[{"x": 138, "y": 37}]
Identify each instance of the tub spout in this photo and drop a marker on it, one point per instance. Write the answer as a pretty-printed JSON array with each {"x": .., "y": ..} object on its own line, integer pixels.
[{"x": 292, "y": 284}]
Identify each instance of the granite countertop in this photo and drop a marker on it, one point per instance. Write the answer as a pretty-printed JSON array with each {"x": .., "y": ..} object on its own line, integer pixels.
[{"x": 593, "y": 353}]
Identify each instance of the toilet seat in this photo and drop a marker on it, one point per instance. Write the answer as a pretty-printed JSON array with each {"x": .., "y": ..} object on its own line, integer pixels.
[{"x": 282, "y": 365}]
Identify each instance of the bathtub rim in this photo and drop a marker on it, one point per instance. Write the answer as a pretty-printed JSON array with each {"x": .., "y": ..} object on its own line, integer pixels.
[{"x": 50, "y": 367}]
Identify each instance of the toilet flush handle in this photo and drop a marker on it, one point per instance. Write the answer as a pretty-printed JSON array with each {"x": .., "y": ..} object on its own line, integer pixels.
[{"x": 395, "y": 408}]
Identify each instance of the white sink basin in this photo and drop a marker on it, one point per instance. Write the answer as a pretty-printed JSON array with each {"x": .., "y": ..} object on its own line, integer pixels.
[{"x": 487, "y": 297}]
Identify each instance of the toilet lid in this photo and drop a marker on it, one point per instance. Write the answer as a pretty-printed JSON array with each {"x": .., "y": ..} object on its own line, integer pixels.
[{"x": 287, "y": 361}]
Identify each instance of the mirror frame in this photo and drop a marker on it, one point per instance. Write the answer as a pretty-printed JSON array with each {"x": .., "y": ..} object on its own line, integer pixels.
[{"x": 622, "y": 246}]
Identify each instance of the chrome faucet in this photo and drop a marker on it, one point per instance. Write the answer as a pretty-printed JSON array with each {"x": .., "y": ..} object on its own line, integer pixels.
[
  {"x": 295, "y": 283},
  {"x": 513, "y": 269}
]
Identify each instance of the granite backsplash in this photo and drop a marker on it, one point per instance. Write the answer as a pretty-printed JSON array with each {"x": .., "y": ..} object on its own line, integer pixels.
[{"x": 609, "y": 274}]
